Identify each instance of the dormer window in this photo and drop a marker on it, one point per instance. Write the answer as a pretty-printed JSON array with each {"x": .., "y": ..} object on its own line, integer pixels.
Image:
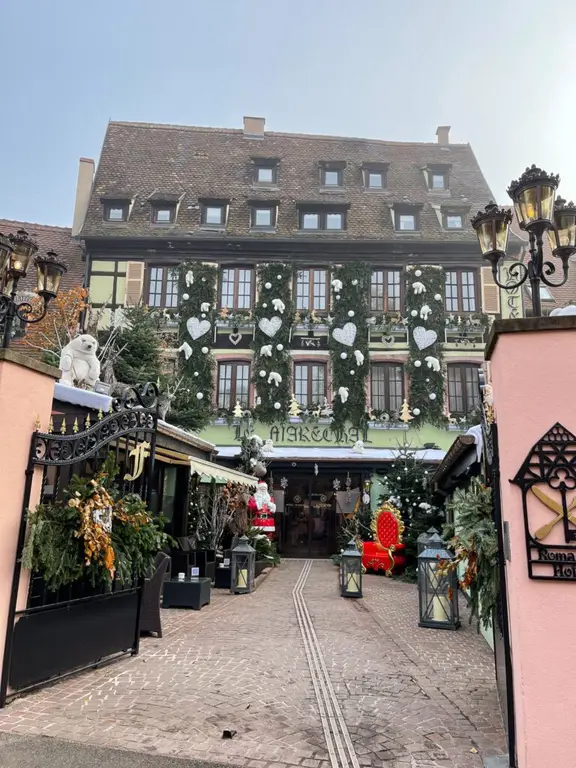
[
  {"x": 453, "y": 221},
  {"x": 265, "y": 172},
  {"x": 322, "y": 218},
  {"x": 374, "y": 175},
  {"x": 263, "y": 215},
  {"x": 406, "y": 218},
  {"x": 332, "y": 174},
  {"x": 116, "y": 210},
  {"x": 214, "y": 214},
  {"x": 438, "y": 177},
  {"x": 163, "y": 213}
]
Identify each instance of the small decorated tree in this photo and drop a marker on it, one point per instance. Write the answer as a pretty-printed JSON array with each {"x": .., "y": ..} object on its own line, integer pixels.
[{"x": 294, "y": 409}]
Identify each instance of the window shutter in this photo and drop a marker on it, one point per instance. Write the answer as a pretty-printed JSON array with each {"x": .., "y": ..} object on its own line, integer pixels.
[
  {"x": 134, "y": 282},
  {"x": 490, "y": 293}
]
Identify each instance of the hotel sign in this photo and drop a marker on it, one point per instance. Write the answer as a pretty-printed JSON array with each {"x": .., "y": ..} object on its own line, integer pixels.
[{"x": 313, "y": 434}]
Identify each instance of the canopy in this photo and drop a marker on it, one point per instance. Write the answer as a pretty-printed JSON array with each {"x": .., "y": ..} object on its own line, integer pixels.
[{"x": 222, "y": 474}]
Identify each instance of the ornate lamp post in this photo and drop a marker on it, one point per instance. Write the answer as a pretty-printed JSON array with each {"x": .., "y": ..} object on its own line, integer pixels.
[
  {"x": 16, "y": 252},
  {"x": 351, "y": 571},
  {"x": 538, "y": 211}
]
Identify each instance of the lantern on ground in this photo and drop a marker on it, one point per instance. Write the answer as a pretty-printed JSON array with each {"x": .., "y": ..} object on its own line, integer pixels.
[
  {"x": 351, "y": 571},
  {"x": 422, "y": 540},
  {"x": 437, "y": 587},
  {"x": 243, "y": 566}
]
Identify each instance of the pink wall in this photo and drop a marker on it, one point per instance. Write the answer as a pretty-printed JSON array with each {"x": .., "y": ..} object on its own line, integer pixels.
[
  {"x": 25, "y": 396},
  {"x": 534, "y": 383}
]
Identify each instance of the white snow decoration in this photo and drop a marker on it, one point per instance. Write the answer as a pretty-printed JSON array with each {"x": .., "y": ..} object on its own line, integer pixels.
[
  {"x": 275, "y": 377},
  {"x": 257, "y": 439},
  {"x": 425, "y": 506},
  {"x": 187, "y": 349},
  {"x": 358, "y": 446},
  {"x": 417, "y": 363},
  {"x": 432, "y": 396},
  {"x": 189, "y": 278},
  {"x": 270, "y": 326},
  {"x": 416, "y": 411},
  {"x": 359, "y": 357},
  {"x": 371, "y": 321},
  {"x": 268, "y": 446},
  {"x": 261, "y": 374},
  {"x": 433, "y": 363},
  {"x": 258, "y": 400},
  {"x": 266, "y": 350},
  {"x": 337, "y": 285},
  {"x": 199, "y": 395},
  {"x": 437, "y": 297},
  {"x": 185, "y": 296},
  {"x": 569, "y": 310},
  {"x": 414, "y": 312},
  {"x": 253, "y": 462},
  {"x": 278, "y": 305},
  {"x": 205, "y": 306},
  {"x": 267, "y": 286},
  {"x": 424, "y": 338},
  {"x": 197, "y": 328},
  {"x": 345, "y": 335},
  {"x": 418, "y": 273},
  {"x": 205, "y": 350},
  {"x": 343, "y": 393},
  {"x": 277, "y": 406},
  {"x": 425, "y": 311},
  {"x": 354, "y": 282},
  {"x": 279, "y": 347},
  {"x": 343, "y": 355},
  {"x": 351, "y": 313},
  {"x": 418, "y": 287}
]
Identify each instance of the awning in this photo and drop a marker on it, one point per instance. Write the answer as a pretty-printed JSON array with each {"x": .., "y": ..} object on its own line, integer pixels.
[{"x": 222, "y": 474}]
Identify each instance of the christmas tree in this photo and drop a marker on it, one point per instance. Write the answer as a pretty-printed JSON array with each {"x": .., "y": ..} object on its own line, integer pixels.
[
  {"x": 294, "y": 409},
  {"x": 405, "y": 414},
  {"x": 409, "y": 489},
  {"x": 237, "y": 412}
]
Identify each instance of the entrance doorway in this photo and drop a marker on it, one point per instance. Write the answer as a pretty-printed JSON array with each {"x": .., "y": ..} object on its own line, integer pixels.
[{"x": 309, "y": 520}]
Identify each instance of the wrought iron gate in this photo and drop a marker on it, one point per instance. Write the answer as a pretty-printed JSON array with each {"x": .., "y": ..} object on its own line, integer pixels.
[
  {"x": 502, "y": 646},
  {"x": 79, "y": 626}
]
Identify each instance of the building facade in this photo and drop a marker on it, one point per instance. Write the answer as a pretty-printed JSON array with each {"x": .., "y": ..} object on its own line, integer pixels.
[{"x": 333, "y": 292}]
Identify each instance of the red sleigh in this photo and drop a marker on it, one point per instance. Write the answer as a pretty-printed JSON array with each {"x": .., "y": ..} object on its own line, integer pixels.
[{"x": 386, "y": 552}]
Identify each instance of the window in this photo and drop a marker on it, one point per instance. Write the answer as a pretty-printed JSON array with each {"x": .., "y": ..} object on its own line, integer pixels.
[
  {"x": 385, "y": 290},
  {"x": 332, "y": 178},
  {"x": 374, "y": 175},
  {"x": 214, "y": 214},
  {"x": 309, "y": 383},
  {"x": 437, "y": 181},
  {"x": 312, "y": 290},
  {"x": 265, "y": 171},
  {"x": 406, "y": 222},
  {"x": 162, "y": 287},
  {"x": 460, "y": 291},
  {"x": 437, "y": 177},
  {"x": 263, "y": 217},
  {"x": 236, "y": 288},
  {"x": 107, "y": 283},
  {"x": 463, "y": 389},
  {"x": 163, "y": 214},
  {"x": 265, "y": 175},
  {"x": 322, "y": 220},
  {"x": 233, "y": 385},
  {"x": 453, "y": 221},
  {"x": 116, "y": 210},
  {"x": 387, "y": 382}
]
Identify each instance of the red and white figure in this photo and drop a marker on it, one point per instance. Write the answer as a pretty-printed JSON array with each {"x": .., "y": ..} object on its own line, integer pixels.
[{"x": 262, "y": 508}]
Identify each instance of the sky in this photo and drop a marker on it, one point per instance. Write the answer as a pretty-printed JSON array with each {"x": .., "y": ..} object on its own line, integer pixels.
[{"x": 502, "y": 73}]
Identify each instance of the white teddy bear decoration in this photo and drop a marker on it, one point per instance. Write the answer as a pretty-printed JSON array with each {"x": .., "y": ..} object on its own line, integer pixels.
[{"x": 78, "y": 362}]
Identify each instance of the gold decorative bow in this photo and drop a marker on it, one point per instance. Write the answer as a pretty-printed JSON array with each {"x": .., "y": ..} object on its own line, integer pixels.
[{"x": 544, "y": 530}]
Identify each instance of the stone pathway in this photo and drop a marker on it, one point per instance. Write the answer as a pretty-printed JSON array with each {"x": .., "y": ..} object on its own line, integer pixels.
[{"x": 305, "y": 678}]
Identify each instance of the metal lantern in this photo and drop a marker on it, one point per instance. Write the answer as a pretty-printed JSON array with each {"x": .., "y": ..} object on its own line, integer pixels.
[
  {"x": 5, "y": 252},
  {"x": 492, "y": 226},
  {"x": 243, "y": 567},
  {"x": 437, "y": 587},
  {"x": 49, "y": 273},
  {"x": 351, "y": 571},
  {"x": 23, "y": 248},
  {"x": 562, "y": 237},
  {"x": 533, "y": 195},
  {"x": 422, "y": 540}
]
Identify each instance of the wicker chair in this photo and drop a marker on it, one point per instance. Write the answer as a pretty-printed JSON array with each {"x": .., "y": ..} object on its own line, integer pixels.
[{"x": 151, "y": 598}]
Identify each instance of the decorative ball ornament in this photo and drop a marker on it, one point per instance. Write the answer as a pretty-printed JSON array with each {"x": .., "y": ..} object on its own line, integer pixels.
[
  {"x": 418, "y": 273},
  {"x": 416, "y": 411},
  {"x": 414, "y": 313},
  {"x": 205, "y": 350},
  {"x": 343, "y": 355},
  {"x": 350, "y": 313},
  {"x": 427, "y": 381},
  {"x": 352, "y": 372},
  {"x": 203, "y": 279},
  {"x": 203, "y": 314},
  {"x": 265, "y": 306},
  {"x": 262, "y": 374},
  {"x": 278, "y": 277},
  {"x": 277, "y": 406},
  {"x": 196, "y": 373},
  {"x": 354, "y": 282},
  {"x": 432, "y": 396},
  {"x": 199, "y": 396},
  {"x": 417, "y": 363},
  {"x": 279, "y": 347},
  {"x": 398, "y": 478},
  {"x": 185, "y": 296},
  {"x": 337, "y": 297},
  {"x": 268, "y": 286},
  {"x": 438, "y": 297}
]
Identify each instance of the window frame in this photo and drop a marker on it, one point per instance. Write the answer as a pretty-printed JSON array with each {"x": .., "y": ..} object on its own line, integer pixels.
[
  {"x": 311, "y": 293},
  {"x": 115, "y": 274},
  {"x": 233, "y": 395},
  {"x": 164, "y": 285},
  {"x": 123, "y": 205},
  {"x": 322, "y": 218},
  {"x": 387, "y": 367},
  {"x": 268, "y": 163},
  {"x": 448, "y": 214},
  {"x": 223, "y": 206},
  {"x": 406, "y": 210},
  {"x": 386, "y": 271},
  {"x": 309, "y": 364},
  {"x": 236, "y": 291},
  {"x": 467, "y": 406},
  {"x": 438, "y": 170},
  {"x": 372, "y": 168},
  {"x": 339, "y": 171},
  {"x": 264, "y": 206},
  {"x": 460, "y": 291},
  {"x": 163, "y": 206}
]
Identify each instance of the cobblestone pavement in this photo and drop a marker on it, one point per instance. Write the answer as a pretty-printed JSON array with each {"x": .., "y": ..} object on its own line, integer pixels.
[{"x": 304, "y": 677}]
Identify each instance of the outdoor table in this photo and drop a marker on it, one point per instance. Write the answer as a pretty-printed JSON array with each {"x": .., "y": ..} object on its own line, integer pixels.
[
  {"x": 186, "y": 593},
  {"x": 222, "y": 577}
]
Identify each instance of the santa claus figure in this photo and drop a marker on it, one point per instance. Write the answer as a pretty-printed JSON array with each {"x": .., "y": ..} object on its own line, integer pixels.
[{"x": 262, "y": 508}]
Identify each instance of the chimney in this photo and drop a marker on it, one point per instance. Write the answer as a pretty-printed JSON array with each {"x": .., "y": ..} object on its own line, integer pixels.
[
  {"x": 83, "y": 191},
  {"x": 254, "y": 127},
  {"x": 443, "y": 133}
]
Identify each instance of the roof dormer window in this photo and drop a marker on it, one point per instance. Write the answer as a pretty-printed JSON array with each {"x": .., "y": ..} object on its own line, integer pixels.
[
  {"x": 374, "y": 176},
  {"x": 438, "y": 177},
  {"x": 265, "y": 171},
  {"x": 163, "y": 213},
  {"x": 116, "y": 210},
  {"x": 332, "y": 175},
  {"x": 406, "y": 217}
]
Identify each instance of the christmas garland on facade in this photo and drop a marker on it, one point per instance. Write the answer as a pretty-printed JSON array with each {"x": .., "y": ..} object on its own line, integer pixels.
[
  {"x": 192, "y": 406},
  {"x": 349, "y": 344},
  {"x": 272, "y": 365},
  {"x": 424, "y": 304}
]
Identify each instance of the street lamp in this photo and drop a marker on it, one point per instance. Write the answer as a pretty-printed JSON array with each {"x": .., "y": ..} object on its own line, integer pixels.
[
  {"x": 537, "y": 211},
  {"x": 16, "y": 252}
]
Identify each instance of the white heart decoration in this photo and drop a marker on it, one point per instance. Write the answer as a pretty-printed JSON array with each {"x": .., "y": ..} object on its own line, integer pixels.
[
  {"x": 270, "y": 327},
  {"x": 345, "y": 335},
  {"x": 197, "y": 328},
  {"x": 424, "y": 338}
]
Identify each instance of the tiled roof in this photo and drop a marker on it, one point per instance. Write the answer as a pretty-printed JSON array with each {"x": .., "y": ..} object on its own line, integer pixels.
[
  {"x": 144, "y": 160},
  {"x": 58, "y": 239}
]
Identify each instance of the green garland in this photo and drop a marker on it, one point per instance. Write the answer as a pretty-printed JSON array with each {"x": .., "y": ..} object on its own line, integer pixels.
[
  {"x": 425, "y": 381},
  {"x": 192, "y": 407},
  {"x": 280, "y": 278},
  {"x": 353, "y": 297}
]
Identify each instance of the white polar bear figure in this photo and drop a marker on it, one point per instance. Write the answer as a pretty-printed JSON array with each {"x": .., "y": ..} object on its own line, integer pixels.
[{"x": 78, "y": 362}]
